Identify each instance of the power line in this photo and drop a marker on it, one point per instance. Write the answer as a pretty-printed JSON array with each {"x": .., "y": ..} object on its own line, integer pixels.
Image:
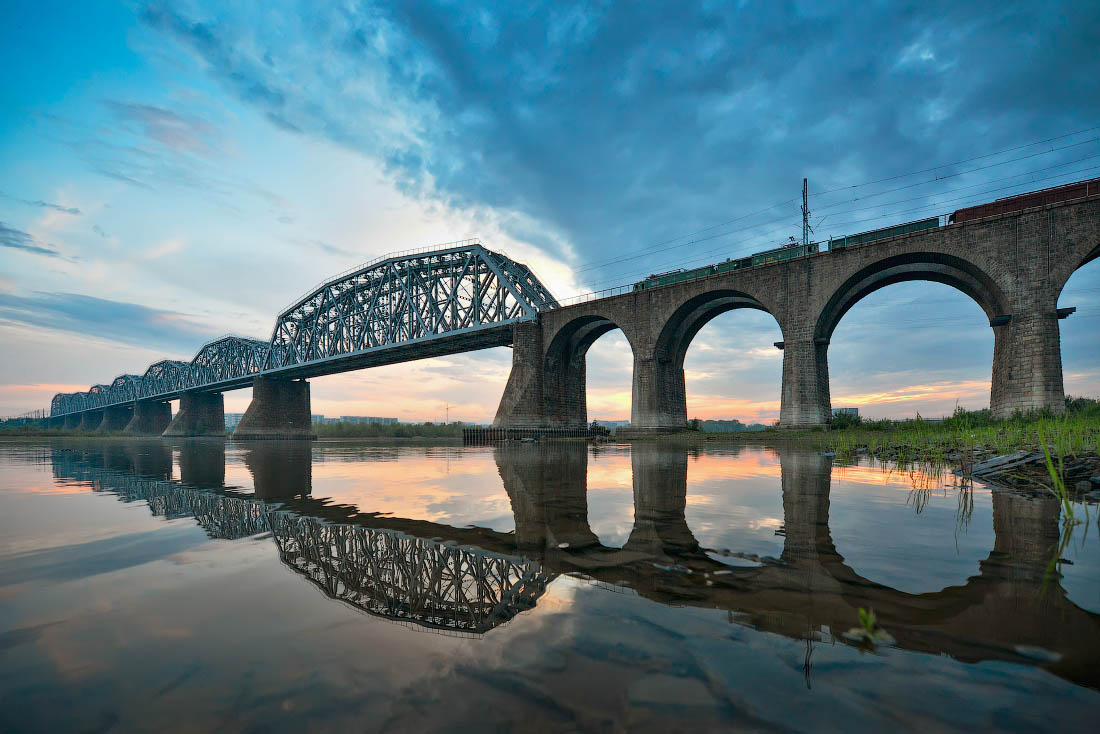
[
  {"x": 929, "y": 206},
  {"x": 956, "y": 163},
  {"x": 651, "y": 249}
]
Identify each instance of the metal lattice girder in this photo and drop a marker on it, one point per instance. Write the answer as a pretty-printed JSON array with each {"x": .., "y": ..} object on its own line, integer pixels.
[
  {"x": 166, "y": 376},
  {"x": 383, "y": 572},
  {"x": 404, "y": 299},
  {"x": 226, "y": 358},
  {"x": 443, "y": 301}
]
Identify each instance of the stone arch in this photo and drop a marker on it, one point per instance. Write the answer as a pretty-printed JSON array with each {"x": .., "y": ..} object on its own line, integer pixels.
[
  {"x": 931, "y": 266},
  {"x": 937, "y": 267},
  {"x": 564, "y": 389},
  {"x": 663, "y": 399}
]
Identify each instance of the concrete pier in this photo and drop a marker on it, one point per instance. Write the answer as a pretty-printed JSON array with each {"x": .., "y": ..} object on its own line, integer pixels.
[
  {"x": 150, "y": 418},
  {"x": 201, "y": 414},
  {"x": 90, "y": 420},
  {"x": 72, "y": 421},
  {"x": 279, "y": 409},
  {"x": 115, "y": 418}
]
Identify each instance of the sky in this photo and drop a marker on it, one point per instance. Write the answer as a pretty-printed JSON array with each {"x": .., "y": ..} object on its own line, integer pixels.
[{"x": 175, "y": 171}]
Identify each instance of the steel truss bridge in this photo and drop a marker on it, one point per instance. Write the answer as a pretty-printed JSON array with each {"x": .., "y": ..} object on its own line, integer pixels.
[
  {"x": 437, "y": 586},
  {"x": 457, "y": 298}
]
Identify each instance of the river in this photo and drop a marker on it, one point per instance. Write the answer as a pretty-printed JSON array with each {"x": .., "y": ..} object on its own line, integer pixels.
[{"x": 204, "y": 585}]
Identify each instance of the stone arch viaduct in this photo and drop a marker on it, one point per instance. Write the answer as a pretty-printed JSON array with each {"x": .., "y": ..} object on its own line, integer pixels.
[{"x": 1013, "y": 265}]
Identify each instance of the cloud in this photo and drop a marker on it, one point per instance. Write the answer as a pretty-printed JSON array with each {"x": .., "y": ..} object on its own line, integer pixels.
[
  {"x": 44, "y": 205},
  {"x": 169, "y": 128},
  {"x": 129, "y": 323},
  {"x": 99, "y": 231},
  {"x": 622, "y": 125},
  {"x": 17, "y": 239}
]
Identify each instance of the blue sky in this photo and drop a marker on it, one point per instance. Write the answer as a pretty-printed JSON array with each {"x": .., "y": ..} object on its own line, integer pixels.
[{"x": 174, "y": 171}]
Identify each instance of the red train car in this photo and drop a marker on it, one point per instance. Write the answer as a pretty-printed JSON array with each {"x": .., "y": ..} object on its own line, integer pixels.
[{"x": 1077, "y": 190}]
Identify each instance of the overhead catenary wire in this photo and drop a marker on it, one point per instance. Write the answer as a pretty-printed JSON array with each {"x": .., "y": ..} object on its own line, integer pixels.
[
  {"x": 932, "y": 205},
  {"x": 669, "y": 243}
]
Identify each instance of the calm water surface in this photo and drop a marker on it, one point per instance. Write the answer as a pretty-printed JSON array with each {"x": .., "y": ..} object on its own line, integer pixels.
[{"x": 203, "y": 585}]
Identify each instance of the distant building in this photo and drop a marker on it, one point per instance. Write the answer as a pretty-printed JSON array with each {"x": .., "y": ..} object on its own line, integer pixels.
[
  {"x": 854, "y": 412},
  {"x": 368, "y": 419},
  {"x": 613, "y": 424},
  {"x": 317, "y": 418},
  {"x": 232, "y": 419}
]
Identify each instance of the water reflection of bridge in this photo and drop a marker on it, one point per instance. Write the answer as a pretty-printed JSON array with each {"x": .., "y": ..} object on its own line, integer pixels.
[
  {"x": 472, "y": 579},
  {"x": 388, "y": 573}
]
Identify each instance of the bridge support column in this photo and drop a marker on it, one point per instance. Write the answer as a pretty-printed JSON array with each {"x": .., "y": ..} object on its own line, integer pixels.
[
  {"x": 805, "y": 398},
  {"x": 523, "y": 404},
  {"x": 200, "y": 414},
  {"x": 90, "y": 420},
  {"x": 202, "y": 463},
  {"x": 115, "y": 418},
  {"x": 150, "y": 418},
  {"x": 279, "y": 409},
  {"x": 72, "y": 421},
  {"x": 1027, "y": 365},
  {"x": 659, "y": 398}
]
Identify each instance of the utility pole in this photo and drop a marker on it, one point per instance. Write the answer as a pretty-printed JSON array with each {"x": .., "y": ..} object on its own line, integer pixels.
[
  {"x": 447, "y": 422},
  {"x": 806, "y": 229}
]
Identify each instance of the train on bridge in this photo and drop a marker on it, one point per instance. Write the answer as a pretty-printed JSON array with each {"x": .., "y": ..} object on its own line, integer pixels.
[{"x": 793, "y": 250}]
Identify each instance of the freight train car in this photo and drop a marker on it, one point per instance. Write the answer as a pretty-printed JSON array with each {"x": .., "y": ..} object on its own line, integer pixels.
[
  {"x": 1078, "y": 190},
  {"x": 1054, "y": 195},
  {"x": 880, "y": 234}
]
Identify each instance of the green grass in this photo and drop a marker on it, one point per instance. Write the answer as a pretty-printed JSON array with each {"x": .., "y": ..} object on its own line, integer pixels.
[{"x": 959, "y": 439}]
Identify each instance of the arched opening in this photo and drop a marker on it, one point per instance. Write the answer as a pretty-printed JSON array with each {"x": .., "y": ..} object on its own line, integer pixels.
[
  {"x": 610, "y": 495},
  {"x": 1080, "y": 331},
  {"x": 574, "y": 394},
  {"x": 909, "y": 349},
  {"x": 730, "y": 354},
  {"x": 918, "y": 346},
  {"x": 734, "y": 503}
]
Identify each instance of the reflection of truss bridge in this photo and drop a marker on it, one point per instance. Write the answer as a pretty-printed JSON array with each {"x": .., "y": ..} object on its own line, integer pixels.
[
  {"x": 396, "y": 576},
  {"x": 440, "y": 586}
]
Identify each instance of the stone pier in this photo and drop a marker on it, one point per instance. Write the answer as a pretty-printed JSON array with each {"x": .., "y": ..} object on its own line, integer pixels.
[
  {"x": 72, "y": 421},
  {"x": 115, "y": 418},
  {"x": 279, "y": 409},
  {"x": 150, "y": 418},
  {"x": 201, "y": 414}
]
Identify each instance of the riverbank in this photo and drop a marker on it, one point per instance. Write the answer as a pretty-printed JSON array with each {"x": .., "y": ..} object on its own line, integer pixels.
[{"x": 963, "y": 442}]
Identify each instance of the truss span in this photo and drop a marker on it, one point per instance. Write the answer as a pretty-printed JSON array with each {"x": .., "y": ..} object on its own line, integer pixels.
[{"x": 453, "y": 299}]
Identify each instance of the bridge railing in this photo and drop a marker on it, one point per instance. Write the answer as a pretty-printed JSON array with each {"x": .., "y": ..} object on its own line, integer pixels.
[{"x": 596, "y": 295}]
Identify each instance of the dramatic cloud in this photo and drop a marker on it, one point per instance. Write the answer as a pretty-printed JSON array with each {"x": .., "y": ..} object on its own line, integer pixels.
[
  {"x": 129, "y": 323},
  {"x": 17, "y": 239},
  {"x": 627, "y": 125}
]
